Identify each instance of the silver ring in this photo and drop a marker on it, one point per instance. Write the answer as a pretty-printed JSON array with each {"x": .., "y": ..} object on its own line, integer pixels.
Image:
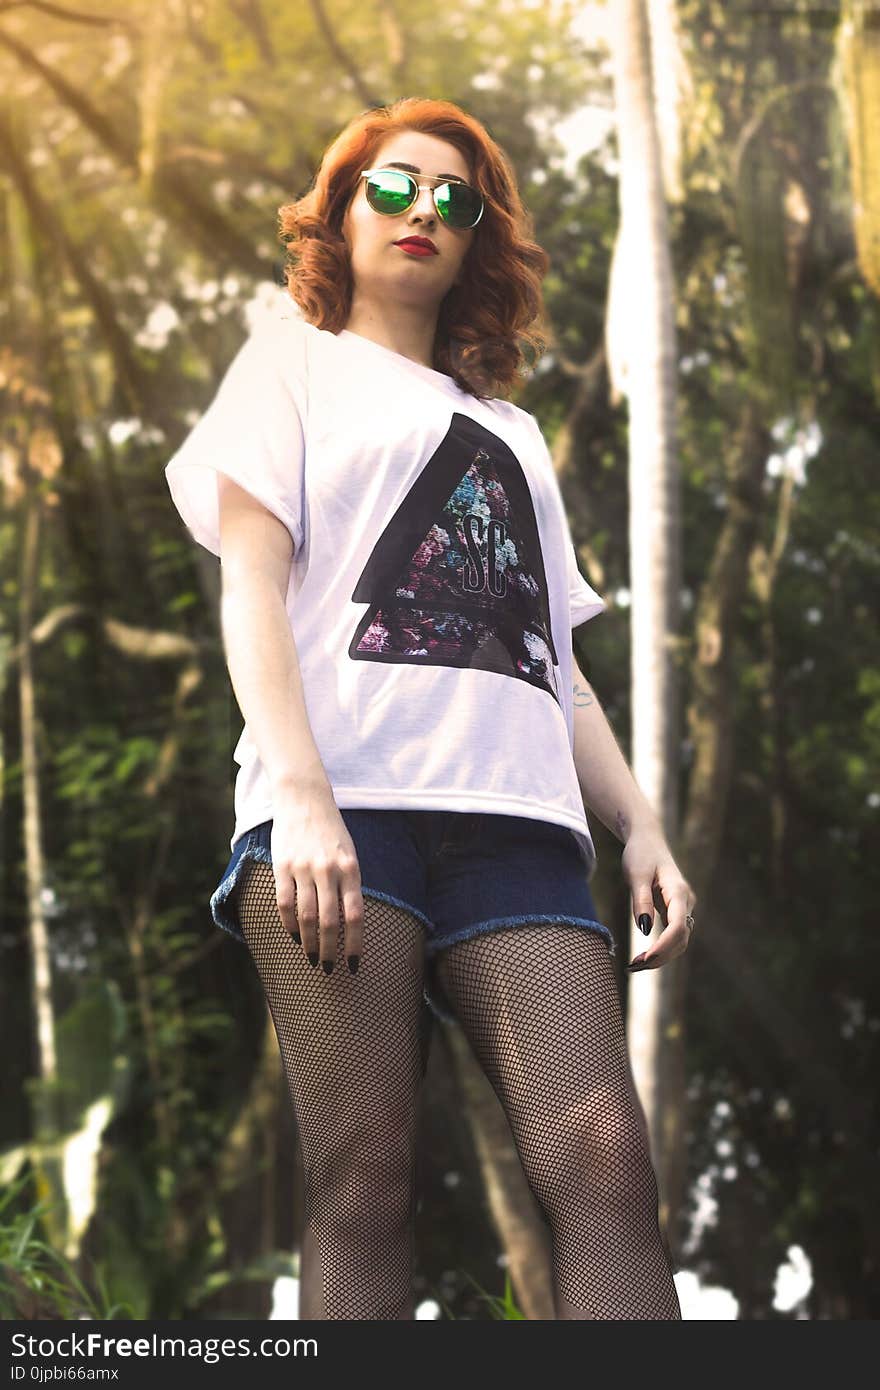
[{"x": 689, "y": 922}]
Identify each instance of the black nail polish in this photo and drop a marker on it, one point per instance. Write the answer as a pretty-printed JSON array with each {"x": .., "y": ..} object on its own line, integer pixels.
[
  {"x": 297, "y": 938},
  {"x": 645, "y": 923},
  {"x": 353, "y": 963},
  {"x": 313, "y": 958},
  {"x": 327, "y": 966}
]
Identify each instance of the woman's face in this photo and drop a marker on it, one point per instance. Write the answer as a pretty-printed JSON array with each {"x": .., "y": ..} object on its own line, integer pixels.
[{"x": 382, "y": 271}]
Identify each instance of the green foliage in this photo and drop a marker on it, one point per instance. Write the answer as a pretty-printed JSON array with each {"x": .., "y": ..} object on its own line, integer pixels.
[
  {"x": 497, "y": 1309},
  {"x": 36, "y": 1281}
]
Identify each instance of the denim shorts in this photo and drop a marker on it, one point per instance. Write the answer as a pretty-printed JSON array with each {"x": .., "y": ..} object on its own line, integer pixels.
[{"x": 460, "y": 873}]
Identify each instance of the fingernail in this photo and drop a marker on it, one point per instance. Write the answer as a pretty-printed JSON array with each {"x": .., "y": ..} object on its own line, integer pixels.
[
  {"x": 353, "y": 963},
  {"x": 297, "y": 938},
  {"x": 313, "y": 958},
  {"x": 645, "y": 923},
  {"x": 327, "y": 966},
  {"x": 637, "y": 965}
]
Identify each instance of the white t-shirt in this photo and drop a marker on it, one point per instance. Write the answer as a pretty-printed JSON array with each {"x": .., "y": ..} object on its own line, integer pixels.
[{"x": 434, "y": 582}]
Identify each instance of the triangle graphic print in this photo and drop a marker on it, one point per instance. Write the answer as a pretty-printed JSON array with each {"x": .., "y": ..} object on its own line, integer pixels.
[{"x": 457, "y": 577}]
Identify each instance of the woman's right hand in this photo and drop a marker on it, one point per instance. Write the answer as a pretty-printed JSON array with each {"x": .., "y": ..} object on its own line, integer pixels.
[{"x": 316, "y": 865}]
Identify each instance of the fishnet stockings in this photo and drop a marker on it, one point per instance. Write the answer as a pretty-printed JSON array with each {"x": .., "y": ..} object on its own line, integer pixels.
[
  {"x": 352, "y": 1050},
  {"x": 541, "y": 1010},
  {"x": 540, "y": 1007}
]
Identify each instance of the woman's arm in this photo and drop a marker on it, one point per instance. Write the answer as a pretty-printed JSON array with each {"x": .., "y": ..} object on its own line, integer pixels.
[
  {"x": 260, "y": 650},
  {"x": 606, "y": 782},
  {"x": 610, "y": 790},
  {"x": 313, "y": 855}
]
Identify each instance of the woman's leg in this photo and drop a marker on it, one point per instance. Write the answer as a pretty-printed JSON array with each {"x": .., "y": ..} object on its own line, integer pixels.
[
  {"x": 540, "y": 1007},
  {"x": 352, "y": 1049}
]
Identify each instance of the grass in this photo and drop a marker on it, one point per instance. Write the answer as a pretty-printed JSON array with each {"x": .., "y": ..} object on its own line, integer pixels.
[
  {"x": 36, "y": 1281},
  {"x": 502, "y": 1309}
]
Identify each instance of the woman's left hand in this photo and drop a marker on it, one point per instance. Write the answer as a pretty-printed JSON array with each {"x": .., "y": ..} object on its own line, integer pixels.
[{"x": 655, "y": 880}]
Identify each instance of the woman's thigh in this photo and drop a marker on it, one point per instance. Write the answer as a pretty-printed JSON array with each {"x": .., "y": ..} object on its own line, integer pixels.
[{"x": 352, "y": 1045}]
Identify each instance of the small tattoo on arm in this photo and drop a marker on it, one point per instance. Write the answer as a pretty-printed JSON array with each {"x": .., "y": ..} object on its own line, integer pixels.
[{"x": 582, "y": 696}]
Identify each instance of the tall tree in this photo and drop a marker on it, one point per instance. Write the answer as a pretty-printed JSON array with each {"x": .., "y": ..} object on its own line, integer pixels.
[{"x": 642, "y": 362}]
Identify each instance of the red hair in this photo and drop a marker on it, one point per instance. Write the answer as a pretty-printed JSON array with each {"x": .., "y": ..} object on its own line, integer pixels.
[{"x": 498, "y": 304}]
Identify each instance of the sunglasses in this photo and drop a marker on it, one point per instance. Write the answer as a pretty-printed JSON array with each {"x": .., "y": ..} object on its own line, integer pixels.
[{"x": 392, "y": 191}]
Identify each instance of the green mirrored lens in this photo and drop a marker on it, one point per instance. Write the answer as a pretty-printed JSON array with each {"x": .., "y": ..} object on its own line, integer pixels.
[
  {"x": 458, "y": 204},
  {"x": 390, "y": 192}
]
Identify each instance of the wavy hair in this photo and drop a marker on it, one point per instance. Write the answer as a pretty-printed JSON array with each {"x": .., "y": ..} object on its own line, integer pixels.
[{"x": 496, "y": 309}]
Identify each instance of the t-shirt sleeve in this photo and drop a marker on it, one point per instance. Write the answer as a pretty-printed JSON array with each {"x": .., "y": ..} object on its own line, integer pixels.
[
  {"x": 252, "y": 432},
  {"x": 583, "y": 601}
]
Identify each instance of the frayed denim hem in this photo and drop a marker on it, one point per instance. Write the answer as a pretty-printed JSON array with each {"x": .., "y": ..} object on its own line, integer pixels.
[
  {"x": 397, "y": 902},
  {"x": 221, "y": 915},
  {"x": 437, "y": 944}
]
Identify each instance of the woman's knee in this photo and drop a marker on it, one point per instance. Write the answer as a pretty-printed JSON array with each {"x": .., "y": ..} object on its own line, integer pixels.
[
  {"x": 596, "y": 1141},
  {"x": 368, "y": 1180}
]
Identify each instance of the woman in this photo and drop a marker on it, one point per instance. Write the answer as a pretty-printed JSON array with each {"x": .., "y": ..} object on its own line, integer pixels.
[{"x": 399, "y": 587}]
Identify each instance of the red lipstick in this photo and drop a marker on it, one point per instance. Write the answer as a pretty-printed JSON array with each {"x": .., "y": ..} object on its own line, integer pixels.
[{"x": 417, "y": 246}]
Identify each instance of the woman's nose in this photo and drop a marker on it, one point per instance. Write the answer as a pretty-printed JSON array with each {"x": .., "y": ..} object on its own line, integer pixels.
[{"x": 424, "y": 202}]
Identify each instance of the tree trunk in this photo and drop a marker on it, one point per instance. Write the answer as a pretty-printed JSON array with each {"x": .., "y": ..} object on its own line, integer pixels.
[
  {"x": 642, "y": 359},
  {"x": 521, "y": 1231},
  {"x": 38, "y": 933}
]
